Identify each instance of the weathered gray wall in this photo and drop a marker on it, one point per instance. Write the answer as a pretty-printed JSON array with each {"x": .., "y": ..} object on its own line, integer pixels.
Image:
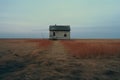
[{"x": 59, "y": 35}]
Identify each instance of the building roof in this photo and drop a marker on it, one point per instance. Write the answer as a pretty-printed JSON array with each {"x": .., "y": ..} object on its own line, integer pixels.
[{"x": 59, "y": 28}]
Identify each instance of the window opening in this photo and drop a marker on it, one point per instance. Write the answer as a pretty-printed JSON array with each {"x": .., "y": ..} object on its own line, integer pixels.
[{"x": 65, "y": 35}]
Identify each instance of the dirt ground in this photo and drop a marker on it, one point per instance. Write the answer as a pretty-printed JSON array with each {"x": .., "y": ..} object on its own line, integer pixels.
[{"x": 26, "y": 60}]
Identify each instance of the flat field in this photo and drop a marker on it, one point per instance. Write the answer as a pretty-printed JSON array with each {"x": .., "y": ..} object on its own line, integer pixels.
[{"x": 42, "y": 59}]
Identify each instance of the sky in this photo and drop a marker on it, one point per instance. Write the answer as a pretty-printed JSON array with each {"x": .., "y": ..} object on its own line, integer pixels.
[{"x": 87, "y": 18}]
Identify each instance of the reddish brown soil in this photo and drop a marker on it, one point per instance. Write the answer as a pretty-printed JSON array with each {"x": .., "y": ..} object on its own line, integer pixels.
[{"x": 36, "y": 59}]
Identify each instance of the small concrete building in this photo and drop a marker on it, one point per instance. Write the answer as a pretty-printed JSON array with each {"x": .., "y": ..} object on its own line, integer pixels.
[{"x": 59, "y": 32}]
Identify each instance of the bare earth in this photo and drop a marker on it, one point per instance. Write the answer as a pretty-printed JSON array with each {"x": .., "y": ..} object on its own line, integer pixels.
[{"x": 24, "y": 60}]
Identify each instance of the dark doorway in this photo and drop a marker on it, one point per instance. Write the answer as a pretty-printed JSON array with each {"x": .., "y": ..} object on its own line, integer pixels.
[{"x": 53, "y": 33}]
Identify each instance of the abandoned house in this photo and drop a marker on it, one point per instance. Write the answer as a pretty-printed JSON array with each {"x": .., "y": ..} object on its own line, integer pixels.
[{"x": 59, "y": 32}]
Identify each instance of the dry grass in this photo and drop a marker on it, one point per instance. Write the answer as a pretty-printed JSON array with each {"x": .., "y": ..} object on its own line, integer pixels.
[
  {"x": 93, "y": 48},
  {"x": 41, "y": 42},
  {"x": 36, "y": 59},
  {"x": 18, "y": 56}
]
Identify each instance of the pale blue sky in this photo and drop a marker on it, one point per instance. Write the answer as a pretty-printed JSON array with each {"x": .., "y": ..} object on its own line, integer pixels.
[{"x": 87, "y": 18}]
